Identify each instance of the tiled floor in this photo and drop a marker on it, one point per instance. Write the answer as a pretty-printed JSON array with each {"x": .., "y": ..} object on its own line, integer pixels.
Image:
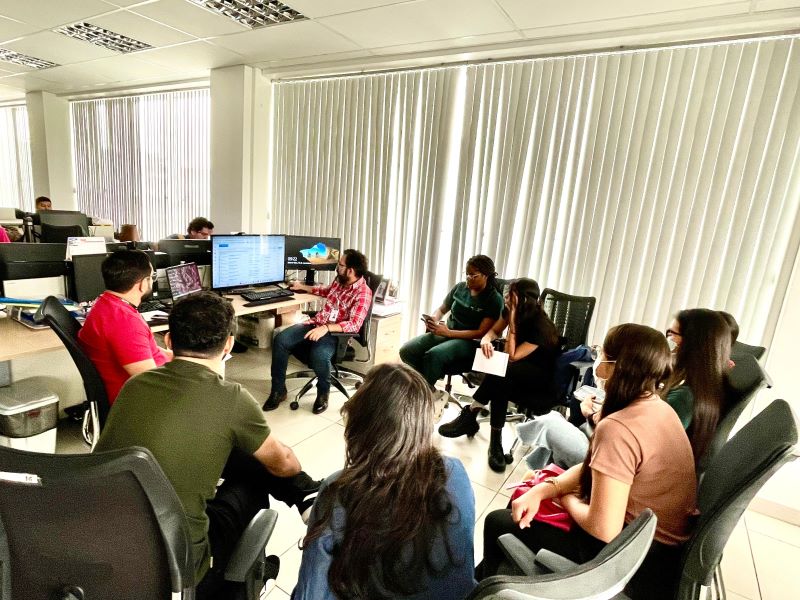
[{"x": 759, "y": 560}]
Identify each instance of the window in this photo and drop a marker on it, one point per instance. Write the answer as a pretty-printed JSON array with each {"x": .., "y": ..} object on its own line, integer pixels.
[{"x": 16, "y": 178}]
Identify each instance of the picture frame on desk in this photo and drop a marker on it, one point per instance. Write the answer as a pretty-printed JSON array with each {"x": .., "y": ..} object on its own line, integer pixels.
[{"x": 380, "y": 292}]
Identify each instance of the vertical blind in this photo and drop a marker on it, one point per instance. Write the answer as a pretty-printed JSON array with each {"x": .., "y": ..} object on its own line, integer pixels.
[
  {"x": 144, "y": 159},
  {"x": 655, "y": 180},
  {"x": 16, "y": 177}
]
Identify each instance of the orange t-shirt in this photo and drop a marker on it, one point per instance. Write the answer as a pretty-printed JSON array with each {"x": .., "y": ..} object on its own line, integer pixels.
[{"x": 645, "y": 446}]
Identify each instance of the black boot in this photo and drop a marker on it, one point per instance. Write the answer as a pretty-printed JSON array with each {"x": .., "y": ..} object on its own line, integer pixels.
[
  {"x": 497, "y": 460},
  {"x": 464, "y": 424}
]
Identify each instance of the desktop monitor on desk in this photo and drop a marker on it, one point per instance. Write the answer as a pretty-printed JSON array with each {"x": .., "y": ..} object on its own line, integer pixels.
[
  {"x": 87, "y": 277},
  {"x": 185, "y": 251},
  {"x": 59, "y": 225},
  {"x": 312, "y": 253},
  {"x": 240, "y": 261},
  {"x": 29, "y": 270}
]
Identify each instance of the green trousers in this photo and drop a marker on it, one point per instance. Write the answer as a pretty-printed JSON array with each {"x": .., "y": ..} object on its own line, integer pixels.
[{"x": 434, "y": 356}]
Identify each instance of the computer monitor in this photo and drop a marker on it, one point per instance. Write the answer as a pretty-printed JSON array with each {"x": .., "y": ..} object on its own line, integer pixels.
[
  {"x": 239, "y": 261},
  {"x": 183, "y": 280},
  {"x": 87, "y": 277},
  {"x": 58, "y": 225},
  {"x": 28, "y": 262},
  {"x": 312, "y": 253},
  {"x": 185, "y": 251},
  {"x": 114, "y": 246}
]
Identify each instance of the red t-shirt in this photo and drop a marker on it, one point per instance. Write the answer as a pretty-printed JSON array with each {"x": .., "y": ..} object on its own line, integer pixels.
[{"x": 115, "y": 334}]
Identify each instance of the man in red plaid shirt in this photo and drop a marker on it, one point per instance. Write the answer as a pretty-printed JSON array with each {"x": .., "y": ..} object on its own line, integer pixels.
[{"x": 348, "y": 300}]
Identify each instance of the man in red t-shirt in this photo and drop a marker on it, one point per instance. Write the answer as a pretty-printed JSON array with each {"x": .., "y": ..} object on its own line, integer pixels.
[{"x": 115, "y": 336}]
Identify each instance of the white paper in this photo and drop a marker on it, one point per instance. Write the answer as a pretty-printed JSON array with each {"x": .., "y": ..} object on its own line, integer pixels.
[
  {"x": 85, "y": 245},
  {"x": 496, "y": 365}
]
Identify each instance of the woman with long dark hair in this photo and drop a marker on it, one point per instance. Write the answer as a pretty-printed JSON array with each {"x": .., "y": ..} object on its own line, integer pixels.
[
  {"x": 398, "y": 520},
  {"x": 701, "y": 342},
  {"x": 474, "y": 306},
  {"x": 532, "y": 347},
  {"x": 639, "y": 457}
]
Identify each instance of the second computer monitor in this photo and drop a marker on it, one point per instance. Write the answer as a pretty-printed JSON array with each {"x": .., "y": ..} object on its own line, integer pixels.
[
  {"x": 312, "y": 253},
  {"x": 183, "y": 280},
  {"x": 240, "y": 261}
]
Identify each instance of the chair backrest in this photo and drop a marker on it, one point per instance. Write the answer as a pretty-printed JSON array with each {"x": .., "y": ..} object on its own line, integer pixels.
[
  {"x": 66, "y": 328},
  {"x": 733, "y": 477},
  {"x": 740, "y": 348},
  {"x": 109, "y": 523},
  {"x": 745, "y": 380},
  {"x": 373, "y": 281},
  {"x": 571, "y": 315},
  {"x": 604, "y": 576}
]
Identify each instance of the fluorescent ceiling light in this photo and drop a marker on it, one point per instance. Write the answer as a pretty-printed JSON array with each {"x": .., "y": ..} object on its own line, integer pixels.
[
  {"x": 103, "y": 37},
  {"x": 25, "y": 60},
  {"x": 252, "y": 13}
]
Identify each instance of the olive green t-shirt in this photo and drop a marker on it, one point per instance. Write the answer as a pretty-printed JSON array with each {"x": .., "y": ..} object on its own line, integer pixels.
[
  {"x": 681, "y": 399},
  {"x": 467, "y": 311},
  {"x": 190, "y": 418}
]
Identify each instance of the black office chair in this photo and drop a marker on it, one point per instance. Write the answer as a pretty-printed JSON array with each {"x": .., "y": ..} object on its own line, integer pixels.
[
  {"x": 345, "y": 351},
  {"x": 548, "y": 575},
  {"x": 734, "y": 476},
  {"x": 66, "y": 327},
  {"x": 745, "y": 380},
  {"x": 60, "y": 234},
  {"x": 741, "y": 349},
  {"x": 105, "y": 525}
]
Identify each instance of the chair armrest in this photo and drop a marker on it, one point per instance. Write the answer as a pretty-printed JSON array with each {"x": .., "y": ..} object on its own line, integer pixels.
[
  {"x": 518, "y": 554},
  {"x": 554, "y": 562},
  {"x": 342, "y": 342},
  {"x": 250, "y": 547}
]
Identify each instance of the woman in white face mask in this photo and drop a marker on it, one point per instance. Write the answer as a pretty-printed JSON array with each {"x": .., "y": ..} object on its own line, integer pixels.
[{"x": 699, "y": 341}]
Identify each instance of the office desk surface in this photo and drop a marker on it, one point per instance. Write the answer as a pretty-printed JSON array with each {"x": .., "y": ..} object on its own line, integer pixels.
[{"x": 17, "y": 341}]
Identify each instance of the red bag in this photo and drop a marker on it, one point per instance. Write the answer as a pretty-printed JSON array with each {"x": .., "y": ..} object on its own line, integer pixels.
[{"x": 550, "y": 511}]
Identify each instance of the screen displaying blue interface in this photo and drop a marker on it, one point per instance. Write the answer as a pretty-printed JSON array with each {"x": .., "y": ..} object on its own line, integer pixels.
[{"x": 246, "y": 260}]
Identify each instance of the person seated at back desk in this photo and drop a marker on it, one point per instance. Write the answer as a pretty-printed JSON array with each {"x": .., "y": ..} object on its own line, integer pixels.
[
  {"x": 200, "y": 427},
  {"x": 347, "y": 303},
  {"x": 199, "y": 228},
  {"x": 115, "y": 336},
  {"x": 43, "y": 203}
]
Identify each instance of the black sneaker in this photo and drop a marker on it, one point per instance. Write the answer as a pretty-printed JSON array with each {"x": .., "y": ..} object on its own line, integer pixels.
[
  {"x": 307, "y": 489},
  {"x": 274, "y": 400},
  {"x": 465, "y": 423}
]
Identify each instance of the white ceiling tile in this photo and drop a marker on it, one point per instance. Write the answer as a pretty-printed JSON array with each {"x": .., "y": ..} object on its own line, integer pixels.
[
  {"x": 46, "y": 14},
  {"x": 318, "y": 60},
  {"x": 10, "y": 93},
  {"x": 290, "y": 40},
  {"x": 142, "y": 29},
  {"x": 776, "y": 4},
  {"x": 188, "y": 17},
  {"x": 10, "y": 29},
  {"x": 14, "y": 68},
  {"x": 529, "y": 15},
  {"x": 128, "y": 3},
  {"x": 70, "y": 76},
  {"x": 192, "y": 56},
  {"x": 464, "y": 42},
  {"x": 58, "y": 48},
  {"x": 318, "y": 8},
  {"x": 422, "y": 21},
  {"x": 128, "y": 67},
  {"x": 29, "y": 83}
]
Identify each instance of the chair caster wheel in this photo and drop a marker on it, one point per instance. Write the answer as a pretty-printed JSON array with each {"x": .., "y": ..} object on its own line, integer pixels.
[
  {"x": 509, "y": 458},
  {"x": 294, "y": 405},
  {"x": 357, "y": 384},
  {"x": 483, "y": 413}
]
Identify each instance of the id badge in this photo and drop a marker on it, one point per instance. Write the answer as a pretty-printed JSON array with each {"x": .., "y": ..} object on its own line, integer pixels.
[{"x": 334, "y": 315}]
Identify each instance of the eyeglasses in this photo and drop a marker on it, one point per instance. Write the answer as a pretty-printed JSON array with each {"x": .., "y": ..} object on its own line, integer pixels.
[
  {"x": 474, "y": 275},
  {"x": 670, "y": 332}
]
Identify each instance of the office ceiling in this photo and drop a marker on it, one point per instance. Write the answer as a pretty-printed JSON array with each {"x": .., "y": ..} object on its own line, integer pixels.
[{"x": 183, "y": 40}]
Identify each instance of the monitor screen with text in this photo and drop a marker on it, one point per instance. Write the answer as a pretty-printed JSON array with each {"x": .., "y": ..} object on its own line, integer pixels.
[{"x": 246, "y": 260}]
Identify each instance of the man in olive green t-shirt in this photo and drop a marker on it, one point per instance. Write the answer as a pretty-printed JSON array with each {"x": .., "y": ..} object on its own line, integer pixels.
[{"x": 200, "y": 427}]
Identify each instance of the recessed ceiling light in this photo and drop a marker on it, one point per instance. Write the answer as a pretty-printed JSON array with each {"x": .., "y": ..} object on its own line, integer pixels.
[
  {"x": 253, "y": 13},
  {"x": 25, "y": 60},
  {"x": 103, "y": 37}
]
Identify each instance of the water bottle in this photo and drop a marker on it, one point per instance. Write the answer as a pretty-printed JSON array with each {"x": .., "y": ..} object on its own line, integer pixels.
[{"x": 28, "y": 228}]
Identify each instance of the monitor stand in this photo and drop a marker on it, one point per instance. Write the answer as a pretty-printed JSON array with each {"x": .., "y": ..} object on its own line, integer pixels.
[{"x": 310, "y": 277}]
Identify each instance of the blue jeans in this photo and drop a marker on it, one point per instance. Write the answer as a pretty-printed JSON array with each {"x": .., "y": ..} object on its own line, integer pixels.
[{"x": 316, "y": 355}]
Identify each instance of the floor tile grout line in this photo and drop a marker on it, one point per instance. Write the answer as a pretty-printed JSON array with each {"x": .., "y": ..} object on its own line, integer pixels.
[{"x": 752, "y": 558}]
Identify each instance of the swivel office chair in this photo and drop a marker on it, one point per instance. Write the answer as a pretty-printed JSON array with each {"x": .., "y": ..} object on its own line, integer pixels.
[
  {"x": 106, "y": 525},
  {"x": 344, "y": 352},
  {"x": 548, "y": 575},
  {"x": 733, "y": 477},
  {"x": 66, "y": 327}
]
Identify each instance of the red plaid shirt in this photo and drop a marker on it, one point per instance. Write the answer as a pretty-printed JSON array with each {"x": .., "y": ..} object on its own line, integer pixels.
[{"x": 345, "y": 306}]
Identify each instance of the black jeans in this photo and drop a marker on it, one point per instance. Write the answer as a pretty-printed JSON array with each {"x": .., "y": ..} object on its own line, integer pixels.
[
  {"x": 656, "y": 578},
  {"x": 526, "y": 384},
  {"x": 245, "y": 491}
]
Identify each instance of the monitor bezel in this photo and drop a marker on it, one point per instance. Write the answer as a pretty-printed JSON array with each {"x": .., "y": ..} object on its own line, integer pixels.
[
  {"x": 295, "y": 267},
  {"x": 246, "y": 285},
  {"x": 183, "y": 266}
]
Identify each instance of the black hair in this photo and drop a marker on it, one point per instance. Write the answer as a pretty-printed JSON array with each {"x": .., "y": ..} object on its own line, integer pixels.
[
  {"x": 123, "y": 269},
  {"x": 200, "y": 324},
  {"x": 732, "y": 324},
  {"x": 484, "y": 265},
  {"x": 198, "y": 224},
  {"x": 353, "y": 259},
  {"x": 529, "y": 309}
]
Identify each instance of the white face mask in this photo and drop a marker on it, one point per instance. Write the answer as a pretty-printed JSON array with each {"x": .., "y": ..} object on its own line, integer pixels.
[{"x": 673, "y": 345}]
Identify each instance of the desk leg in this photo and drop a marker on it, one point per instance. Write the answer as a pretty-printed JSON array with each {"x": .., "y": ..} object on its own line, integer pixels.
[{"x": 5, "y": 373}]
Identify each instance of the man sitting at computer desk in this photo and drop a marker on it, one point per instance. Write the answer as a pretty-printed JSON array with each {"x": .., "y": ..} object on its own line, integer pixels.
[
  {"x": 348, "y": 300},
  {"x": 115, "y": 336}
]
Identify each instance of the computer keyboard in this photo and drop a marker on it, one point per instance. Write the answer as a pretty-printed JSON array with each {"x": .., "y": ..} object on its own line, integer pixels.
[
  {"x": 152, "y": 305},
  {"x": 264, "y": 301},
  {"x": 273, "y": 295}
]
